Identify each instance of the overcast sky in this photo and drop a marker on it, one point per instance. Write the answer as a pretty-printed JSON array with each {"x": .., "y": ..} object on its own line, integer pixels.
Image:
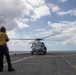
[{"x": 37, "y": 19}]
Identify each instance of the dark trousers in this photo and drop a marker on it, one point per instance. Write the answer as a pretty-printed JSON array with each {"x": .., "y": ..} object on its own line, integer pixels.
[{"x": 4, "y": 51}]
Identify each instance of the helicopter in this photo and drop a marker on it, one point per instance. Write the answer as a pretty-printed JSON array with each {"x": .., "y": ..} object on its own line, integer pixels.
[{"x": 38, "y": 47}]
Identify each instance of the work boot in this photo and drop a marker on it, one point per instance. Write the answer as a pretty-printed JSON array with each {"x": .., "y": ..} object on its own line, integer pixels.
[
  {"x": 10, "y": 70},
  {"x": 1, "y": 70}
]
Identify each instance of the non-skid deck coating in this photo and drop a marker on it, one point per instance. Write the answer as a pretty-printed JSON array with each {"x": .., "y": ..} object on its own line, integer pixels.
[{"x": 50, "y": 64}]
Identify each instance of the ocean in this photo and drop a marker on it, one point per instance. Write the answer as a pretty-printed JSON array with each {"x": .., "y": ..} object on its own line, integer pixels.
[
  {"x": 26, "y": 52},
  {"x": 18, "y": 52}
]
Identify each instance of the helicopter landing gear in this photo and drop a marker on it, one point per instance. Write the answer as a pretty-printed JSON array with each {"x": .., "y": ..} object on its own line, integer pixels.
[{"x": 32, "y": 52}]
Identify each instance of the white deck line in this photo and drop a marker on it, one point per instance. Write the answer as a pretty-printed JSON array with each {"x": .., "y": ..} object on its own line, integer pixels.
[
  {"x": 69, "y": 63},
  {"x": 20, "y": 60}
]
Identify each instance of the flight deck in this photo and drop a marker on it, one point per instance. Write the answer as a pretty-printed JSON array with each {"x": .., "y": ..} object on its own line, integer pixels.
[{"x": 49, "y": 64}]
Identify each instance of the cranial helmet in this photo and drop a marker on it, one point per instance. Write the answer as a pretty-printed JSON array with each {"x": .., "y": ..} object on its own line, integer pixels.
[{"x": 3, "y": 29}]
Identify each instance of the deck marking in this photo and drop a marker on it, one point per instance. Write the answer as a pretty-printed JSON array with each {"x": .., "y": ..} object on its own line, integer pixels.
[
  {"x": 69, "y": 63},
  {"x": 20, "y": 60}
]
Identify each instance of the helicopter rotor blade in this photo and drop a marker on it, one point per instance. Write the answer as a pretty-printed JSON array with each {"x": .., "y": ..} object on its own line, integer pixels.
[
  {"x": 25, "y": 39},
  {"x": 52, "y": 35},
  {"x": 37, "y": 38},
  {"x": 20, "y": 39}
]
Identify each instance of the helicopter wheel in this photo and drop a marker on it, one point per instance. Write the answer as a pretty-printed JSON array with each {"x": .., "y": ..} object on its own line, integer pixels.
[
  {"x": 32, "y": 52},
  {"x": 44, "y": 52}
]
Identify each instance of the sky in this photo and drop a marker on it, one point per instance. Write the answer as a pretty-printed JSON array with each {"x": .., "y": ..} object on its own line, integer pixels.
[{"x": 30, "y": 19}]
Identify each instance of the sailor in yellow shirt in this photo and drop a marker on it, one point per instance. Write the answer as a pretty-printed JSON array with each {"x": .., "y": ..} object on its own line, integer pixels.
[
  {"x": 3, "y": 38},
  {"x": 4, "y": 49}
]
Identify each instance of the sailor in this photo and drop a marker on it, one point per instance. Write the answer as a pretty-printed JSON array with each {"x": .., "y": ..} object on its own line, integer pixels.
[
  {"x": 4, "y": 49},
  {"x": 43, "y": 45}
]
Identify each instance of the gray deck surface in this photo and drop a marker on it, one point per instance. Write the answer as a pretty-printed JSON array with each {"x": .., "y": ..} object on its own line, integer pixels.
[{"x": 50, "y": 64}]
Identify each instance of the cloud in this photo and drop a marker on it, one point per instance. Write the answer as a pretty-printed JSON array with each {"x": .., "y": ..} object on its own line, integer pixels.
[
  {"x": 16, "y": 15},
  {"x": 62, "y": 24},
  {"x": 71, "y": 12},
  {"x": 16, "y": 35},
  {"x": 66, "y": 27},
  {"x": 71, "y": 41},
  {"x": 53, "y": 7},
  {"x": 41, "y": 30},
  {"x": 61, "y": 12},
  {"x": 44, "y": 9},
  {"x": 11, "y": 11},
  {"x": 21, "y": 24},
  {"x": 36, "y": 2},
  {"x": 40, "y": 12},
  {"x": 63, "y": 1}
]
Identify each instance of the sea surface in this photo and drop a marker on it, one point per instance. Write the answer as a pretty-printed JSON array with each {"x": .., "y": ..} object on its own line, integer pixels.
[
  {"x": 18, "y": 52},
  {"x": 26, "y": 52}
]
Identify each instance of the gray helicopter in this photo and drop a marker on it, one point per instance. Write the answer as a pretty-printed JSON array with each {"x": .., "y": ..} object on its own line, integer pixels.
[{"x": 38, "y": 47}]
